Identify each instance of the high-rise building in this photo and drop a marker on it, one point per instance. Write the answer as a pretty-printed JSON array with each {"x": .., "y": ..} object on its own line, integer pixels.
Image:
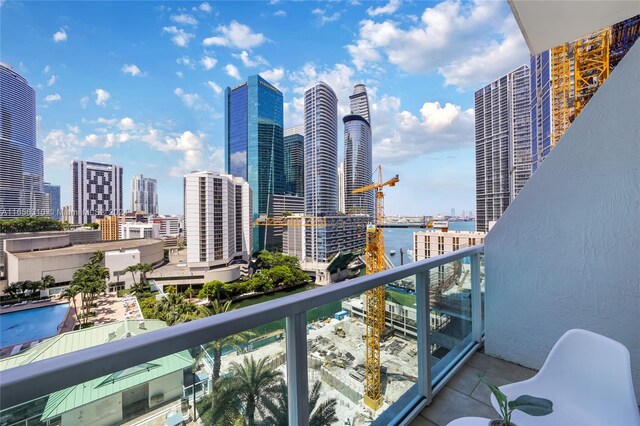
[
  {"x": 294, "y": 160},
  {"x": 97, "y": 191},
  {"x": 218, "y": 219},
  {"x": 254, "y": 142},
  {"x": 54, "y": 197},
  {"x": 359, "y": 102},
  {"x": 341, "y": 185},
  {"x": 144, "y": 195},
  {"x": 21, "y": 162},
  {"x": 357, "y": 165},
  {"x": 109, "y": 227},
  {"x": 564, "y": 78},
  {"x": 503, "y": 138},
  {"x": 320, "y": 150}
]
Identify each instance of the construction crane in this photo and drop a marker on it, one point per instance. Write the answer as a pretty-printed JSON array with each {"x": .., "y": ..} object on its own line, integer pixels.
[{"x": 375, "y": 298}]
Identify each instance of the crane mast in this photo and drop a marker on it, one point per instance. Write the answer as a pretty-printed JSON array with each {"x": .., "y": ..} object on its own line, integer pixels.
[{"x": 375, "y": 298}]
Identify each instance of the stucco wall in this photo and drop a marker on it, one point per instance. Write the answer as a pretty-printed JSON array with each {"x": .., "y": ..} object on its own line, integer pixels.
[
  {"x": 565, "y": 253},
  {"x": 170, "y": 386},
  {"x": 105, "y": 411}
]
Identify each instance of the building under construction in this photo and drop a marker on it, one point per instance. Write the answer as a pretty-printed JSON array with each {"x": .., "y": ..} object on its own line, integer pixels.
[{"x": 565, "y": 78}]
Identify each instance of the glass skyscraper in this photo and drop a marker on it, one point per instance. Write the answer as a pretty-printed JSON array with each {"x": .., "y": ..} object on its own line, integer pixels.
[
  {"x": 358, "y": 154},
  {"x": 21, "y": 162},
  {"x": 54, "y": 195},
  {"x": 294, "y": 160},
  {"x": 254, "y": 143},
  {"x": 144, "y": 194}
]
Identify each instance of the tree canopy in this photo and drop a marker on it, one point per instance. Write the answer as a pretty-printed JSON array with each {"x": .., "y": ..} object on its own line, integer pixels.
[{"x": 30, "y": 224}]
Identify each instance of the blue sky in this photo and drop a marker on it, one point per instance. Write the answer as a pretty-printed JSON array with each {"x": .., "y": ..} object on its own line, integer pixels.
[{"x": 139, "y": 84}]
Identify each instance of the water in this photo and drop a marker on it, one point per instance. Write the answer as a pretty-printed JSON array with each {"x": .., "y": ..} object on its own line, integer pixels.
[
  {"x": 31, "y": 324},
  {"x": 397, "y": 238}
]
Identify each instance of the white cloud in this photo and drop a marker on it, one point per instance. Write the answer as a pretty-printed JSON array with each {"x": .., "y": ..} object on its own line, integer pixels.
[
  {"x": 180, "y": 74},
  {"x": 217, "y": 89},
  {"x": 52, "y": 80},
  {"x": 192, "y": 101},
  {"x": 180, "y": 37},
  {"x": 107, "y": 121},
  {"x": 127, "y": 123},
  {"x": 449, "y": 36},
  {"x": 248, "y": 62},
  {"x": 60, "y": 35},
  {"x": 52, "y": 98},
  {"x": 84, "y": 101},
  {"x": 186, "y": 61},
  {"x": 132, "y": 70},
  {"x": 184, "y": 19},
  {"x": 274, "y": 75},
  {"x": 47, "y": 69},
  {"x": 102, "y": 157},
  {"x": 233, "y": 71},
  {"x": 323, "y": 18},
  {"x": 60, "y": 147},
  {"x": 208, "y": 62},
  {"x": 205, "y": 7},
  {"x": 387, "y": 9},
  {"x": 102, "y": 96},
  {"x": 235, "y": 35},
  {"x": 73, "y": 129},
  {"x": 280, "y": 13}
]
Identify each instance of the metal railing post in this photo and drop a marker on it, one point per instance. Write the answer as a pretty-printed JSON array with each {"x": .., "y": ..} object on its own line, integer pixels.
[
  {"x": 424, "y": 335},
  {"x": 297, "y": 373},
  {"x": 476, "y": 299}
]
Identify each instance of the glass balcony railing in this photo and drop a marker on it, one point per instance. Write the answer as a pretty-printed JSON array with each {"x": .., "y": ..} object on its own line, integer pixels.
[{"x": 283, "y": 361}]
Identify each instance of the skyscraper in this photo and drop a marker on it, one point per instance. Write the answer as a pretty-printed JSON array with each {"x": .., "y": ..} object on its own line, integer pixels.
[
  {"x": 341, "y": 196},
  {"x": 503, "y": 138},
  {"x": 294, "y": 160},
  {"x": 254, "y": 142},
  {"x": 21, "y": 163},
  {"x": 54, "y": 197},
  {"x": 320, "y": 150},
  {"x": 144, "y": 194},
  {"x": 97, "y": 191},
  {"x": 359, "y": 102},
  {"x": 218, "y": 223},
  {"x": 357, "y": 165}
]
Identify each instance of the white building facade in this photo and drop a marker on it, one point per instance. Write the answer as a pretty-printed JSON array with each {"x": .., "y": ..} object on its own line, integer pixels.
[
  {"x": 97, "y": 191},
  {"x": 144, "y": 195},
  {"x": 129, "y": 231},
  {"x": 428, "y": 244},
  {"x": 218, "y": 224}
]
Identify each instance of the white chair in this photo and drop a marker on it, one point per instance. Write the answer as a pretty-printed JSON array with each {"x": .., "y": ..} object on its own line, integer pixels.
[{"x": 587, "y": 377}]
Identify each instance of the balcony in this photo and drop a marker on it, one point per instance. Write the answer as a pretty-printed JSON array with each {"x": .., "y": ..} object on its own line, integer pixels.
[{"x": 98, "y": 381}]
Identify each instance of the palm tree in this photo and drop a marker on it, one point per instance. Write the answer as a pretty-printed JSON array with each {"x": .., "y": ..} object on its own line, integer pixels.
[
  {"x": 319, "y": 415},
  {"x": 189, "y": 292},
  {"x": 144, "y": 268},
  {"x": 217, "y": 347},
  {"x": 48, "y": 281},
  {"x": 70, "y": 293},
  {"x": 248, "y": 390},
  {"x": 133, "y": 269},
  {"x": 97, "y": 258}
]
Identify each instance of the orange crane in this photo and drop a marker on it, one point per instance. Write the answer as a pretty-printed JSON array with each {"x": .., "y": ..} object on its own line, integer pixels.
[{"x": 375, "y": 298}]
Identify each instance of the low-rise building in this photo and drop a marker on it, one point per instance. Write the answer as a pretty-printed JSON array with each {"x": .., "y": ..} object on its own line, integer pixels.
[
  {"x": 139, "y": 230},
  {"x": 33, "y": 258},
  {"x": 434, "y": 243},
  {"x": 109, "y": 227},
  {"x": 169, "y": 225},
  {"x": 110, "y": 399}
]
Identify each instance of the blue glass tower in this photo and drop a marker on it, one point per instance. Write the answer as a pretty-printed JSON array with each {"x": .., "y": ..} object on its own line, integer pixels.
[
  {"x": 254, "y": 143},
  {"x": 21, "y": 162},
  {"x": 540, "y": 108},
  {"x": 54, "y": 195}
]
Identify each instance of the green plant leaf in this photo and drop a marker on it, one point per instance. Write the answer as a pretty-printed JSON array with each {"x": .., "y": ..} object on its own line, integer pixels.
[
  {"x": 502, "y": 398},
  {"x": 532, "y": 405}
]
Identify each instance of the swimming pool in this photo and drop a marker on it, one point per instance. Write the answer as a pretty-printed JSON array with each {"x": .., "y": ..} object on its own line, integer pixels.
[{"x": 31, "y": 324}]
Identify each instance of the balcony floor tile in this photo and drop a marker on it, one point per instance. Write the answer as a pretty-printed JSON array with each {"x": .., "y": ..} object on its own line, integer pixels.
[{"x": 465, "y": 396}]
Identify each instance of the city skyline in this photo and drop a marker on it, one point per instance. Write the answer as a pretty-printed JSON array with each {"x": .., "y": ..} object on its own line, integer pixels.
[{"x": 155, "y": 91}]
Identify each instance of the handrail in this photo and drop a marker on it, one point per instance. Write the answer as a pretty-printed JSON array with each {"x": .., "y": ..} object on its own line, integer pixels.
[{"x": 50, "y": 375}]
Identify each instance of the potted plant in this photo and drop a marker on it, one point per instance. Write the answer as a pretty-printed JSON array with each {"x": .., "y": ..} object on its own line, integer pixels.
[{"x": 528, "y": 404}]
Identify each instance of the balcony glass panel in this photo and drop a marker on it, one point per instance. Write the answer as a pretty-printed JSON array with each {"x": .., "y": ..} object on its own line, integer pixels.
[
  {"x": 450, "y": 315},
  {"x": 337, "y": 353}
]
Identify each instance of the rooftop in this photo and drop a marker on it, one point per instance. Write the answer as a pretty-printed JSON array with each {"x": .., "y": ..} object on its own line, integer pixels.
[{"x": 90, "y": 248}]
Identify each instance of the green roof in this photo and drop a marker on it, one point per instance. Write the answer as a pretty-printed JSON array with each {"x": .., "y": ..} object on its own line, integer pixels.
[{"x": 93, "y": 390}]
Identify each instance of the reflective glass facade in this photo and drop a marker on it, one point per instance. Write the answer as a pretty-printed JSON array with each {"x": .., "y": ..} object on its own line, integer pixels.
[
  {"x": 254, "y": 141},
  {"x": 540, "y": 108},
  {"x": 294, "y": 164},
  {"x": 357, "y": 165},
  {"x": 54, "y": 196},
  {"x": 21, "y": 162}
]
